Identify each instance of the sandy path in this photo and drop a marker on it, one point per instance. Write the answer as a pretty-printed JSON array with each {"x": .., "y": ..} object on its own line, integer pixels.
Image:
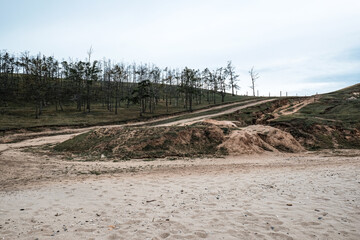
[
  {"x": 284, "y": 110},
  {"x": 197, "y": 119},
  {"x": 273, "y": 197}
]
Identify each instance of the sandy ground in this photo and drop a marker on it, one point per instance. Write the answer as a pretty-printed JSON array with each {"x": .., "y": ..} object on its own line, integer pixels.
[{"x": 302, "y": 196}]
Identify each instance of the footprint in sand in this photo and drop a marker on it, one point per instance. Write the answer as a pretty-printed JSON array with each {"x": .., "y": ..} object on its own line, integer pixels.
[
  {"x": 201, "y": 234},
  {"x": 164, "y": 235},
  {"x": 113, "y": 237}
]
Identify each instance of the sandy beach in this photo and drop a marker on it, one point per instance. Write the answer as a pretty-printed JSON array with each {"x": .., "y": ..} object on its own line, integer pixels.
[{"x": 298, "y": 196}]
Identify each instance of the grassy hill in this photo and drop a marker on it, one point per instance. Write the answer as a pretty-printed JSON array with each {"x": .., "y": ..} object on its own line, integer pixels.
[{"x": 332, "y": 121}]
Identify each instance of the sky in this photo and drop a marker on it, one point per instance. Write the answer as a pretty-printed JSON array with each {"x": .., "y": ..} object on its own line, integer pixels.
[{"x": 300, "y": 47}]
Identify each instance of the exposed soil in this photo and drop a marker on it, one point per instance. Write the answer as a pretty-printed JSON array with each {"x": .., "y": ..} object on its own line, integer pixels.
[{"x": 259, "y": 139}]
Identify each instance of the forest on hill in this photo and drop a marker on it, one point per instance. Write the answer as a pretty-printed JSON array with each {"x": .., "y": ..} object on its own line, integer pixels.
[
  {"x": 44, "y": 80},
  {"x": 30, "y": 85}
]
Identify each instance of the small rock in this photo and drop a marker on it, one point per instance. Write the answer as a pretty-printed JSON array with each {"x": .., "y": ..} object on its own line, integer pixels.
[
  {"x": 103, "y": 156},
  {"x": 98, "y": 215},
  {"x": 316, "y": 210},
  {"x": 289, "y": 204},
  {"x": 319, "y": 218},
  {"x": 22, "y": 209},
  {"x": 272, "y": 228}
]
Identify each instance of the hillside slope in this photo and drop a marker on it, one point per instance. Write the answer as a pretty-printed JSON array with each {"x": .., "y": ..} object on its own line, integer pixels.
[
  {"x": 324, "y": 121},
  {"x": 332, "y": 121}
]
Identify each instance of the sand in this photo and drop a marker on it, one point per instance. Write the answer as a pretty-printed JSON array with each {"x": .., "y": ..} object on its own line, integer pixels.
[{"x": 297, "y": 196}]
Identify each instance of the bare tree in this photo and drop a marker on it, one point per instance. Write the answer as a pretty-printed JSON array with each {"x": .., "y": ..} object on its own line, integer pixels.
[
  {"x": 254, "y": 76},
  {"x": 221, "y": 77},
  {"x": 233, "y": 78}
]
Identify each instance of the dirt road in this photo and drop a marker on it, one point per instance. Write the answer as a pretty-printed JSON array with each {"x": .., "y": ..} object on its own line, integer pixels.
[{"x": 197, "y": 119}]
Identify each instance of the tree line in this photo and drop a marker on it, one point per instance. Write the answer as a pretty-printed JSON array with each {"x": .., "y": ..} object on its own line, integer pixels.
[{"x": 45, "y": 81}]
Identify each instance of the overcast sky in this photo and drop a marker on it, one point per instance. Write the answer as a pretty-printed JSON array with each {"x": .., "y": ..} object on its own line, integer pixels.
[{"x": 301, "y": 47}]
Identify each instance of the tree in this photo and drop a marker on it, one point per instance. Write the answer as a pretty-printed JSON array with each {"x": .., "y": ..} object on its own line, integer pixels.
[
  {"x": 254, "y": 76},
  {"x": 221, "y": 77},
  {"x": 119, "y": 74},
  {"x": 230, "y": 72},
  {"x": 189, "y": 77},
  {"x": 141, "y": 94},
  {"x": 91, "y": 74}
]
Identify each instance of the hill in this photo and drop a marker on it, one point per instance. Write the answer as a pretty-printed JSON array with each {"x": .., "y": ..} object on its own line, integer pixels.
[{"x": 329, "y": 120}]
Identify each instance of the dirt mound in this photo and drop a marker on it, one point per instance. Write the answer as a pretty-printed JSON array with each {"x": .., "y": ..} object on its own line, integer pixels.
[
  {"x": 258, "y": 139},
  {"x": 208, "y": 137},
  {"x": 138, "y": 142}
]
